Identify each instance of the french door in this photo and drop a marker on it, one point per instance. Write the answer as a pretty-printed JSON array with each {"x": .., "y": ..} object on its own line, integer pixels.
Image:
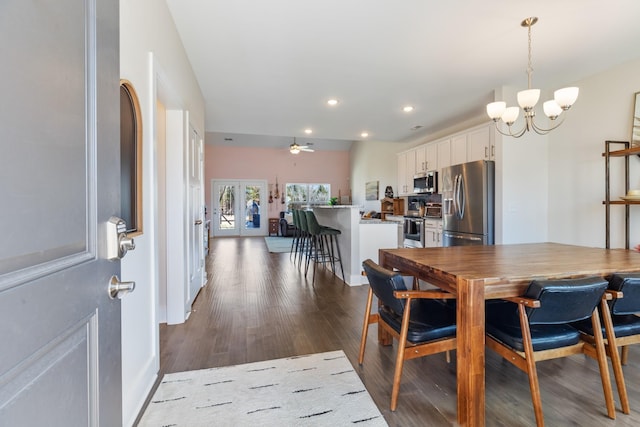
[{"x": 239, "y": 208}]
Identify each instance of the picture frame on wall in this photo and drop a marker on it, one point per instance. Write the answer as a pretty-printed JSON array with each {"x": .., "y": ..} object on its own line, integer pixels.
[{"x": 371, "y": 190}]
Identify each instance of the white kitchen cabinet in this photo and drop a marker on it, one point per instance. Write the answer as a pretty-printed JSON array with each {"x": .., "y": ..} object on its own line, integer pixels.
[
  {"x": 375, "y": 236},
  {"x": 432, "y": 233},
  {"x": 480, "y": 144},
  {"x": 421, "y": 159},
  {"x": 444, "y": 153},
  {"x": 459, "y": 149},
  {"x": 431, "y": 159},
  {"x": 406, "y": 170}
]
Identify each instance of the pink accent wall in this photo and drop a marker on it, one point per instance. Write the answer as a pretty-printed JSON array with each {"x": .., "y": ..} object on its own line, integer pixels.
[{"x": 221, "y": 162}]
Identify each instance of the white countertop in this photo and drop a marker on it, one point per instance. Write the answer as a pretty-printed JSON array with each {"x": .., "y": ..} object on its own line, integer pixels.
[{"x": 337, "y": 207}]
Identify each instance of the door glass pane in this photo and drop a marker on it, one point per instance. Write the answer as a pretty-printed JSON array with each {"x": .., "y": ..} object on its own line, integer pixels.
[
  {"x": 227, "y": 197},
  {"x": 252, "y": 203}
]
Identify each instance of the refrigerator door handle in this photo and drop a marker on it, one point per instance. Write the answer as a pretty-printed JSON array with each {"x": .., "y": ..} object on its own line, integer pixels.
[
  {"x": 455, "y": 195},
  {"x": 460, "y": 202}
]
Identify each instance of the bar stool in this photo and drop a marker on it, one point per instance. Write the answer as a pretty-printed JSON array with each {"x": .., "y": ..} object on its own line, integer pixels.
[{"x": 322, "y": 242}]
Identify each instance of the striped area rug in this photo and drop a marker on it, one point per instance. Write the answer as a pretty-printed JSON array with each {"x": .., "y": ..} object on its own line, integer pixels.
[{"x": 319, "y": 389}]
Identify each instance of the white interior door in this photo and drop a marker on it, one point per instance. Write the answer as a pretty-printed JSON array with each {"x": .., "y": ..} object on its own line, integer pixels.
[
  {"x": 238, "y": 208},
  {"x": 195, "y": 218},
  {"x": 60, "y": 362}
]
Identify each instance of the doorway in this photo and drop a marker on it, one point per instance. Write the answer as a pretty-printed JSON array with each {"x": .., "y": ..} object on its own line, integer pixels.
[{"x": 238, "y": 207}]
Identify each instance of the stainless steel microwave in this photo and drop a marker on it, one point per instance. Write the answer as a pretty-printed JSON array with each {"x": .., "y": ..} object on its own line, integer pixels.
[{"x": 425, "y": 182}]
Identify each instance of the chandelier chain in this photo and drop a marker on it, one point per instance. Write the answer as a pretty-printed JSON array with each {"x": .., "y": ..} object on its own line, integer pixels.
[{"x": 529, "y": 67}]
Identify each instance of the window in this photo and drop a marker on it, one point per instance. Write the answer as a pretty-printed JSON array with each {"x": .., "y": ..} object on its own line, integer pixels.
[
  {"x": 130, "y": 158},
  {"x": 311, "y": 194}
]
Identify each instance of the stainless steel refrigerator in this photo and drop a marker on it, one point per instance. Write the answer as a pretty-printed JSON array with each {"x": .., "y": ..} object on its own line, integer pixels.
[{"x": 468, "y": 204}]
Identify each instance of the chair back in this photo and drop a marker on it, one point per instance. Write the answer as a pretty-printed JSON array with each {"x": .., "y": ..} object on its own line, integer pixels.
[
  {"x": 296, "y": 221},
  {"x": 564, "y": 300},
  {"x": 312, "y": 223},
  {"x": 302, "y": 219},
  {"x": 383, "y": 283},
  {"x": 629, "y": 284}
]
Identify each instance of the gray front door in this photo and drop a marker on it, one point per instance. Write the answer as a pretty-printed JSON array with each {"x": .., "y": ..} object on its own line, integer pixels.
[{"x": 59, "y": 185}]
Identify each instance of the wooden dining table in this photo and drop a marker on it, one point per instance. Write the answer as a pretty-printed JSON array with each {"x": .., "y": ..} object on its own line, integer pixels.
[{"x": 477, "y": 273}]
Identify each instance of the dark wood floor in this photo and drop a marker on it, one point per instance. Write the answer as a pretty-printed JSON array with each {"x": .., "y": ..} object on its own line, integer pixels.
[{"x": 259, "y": 306}]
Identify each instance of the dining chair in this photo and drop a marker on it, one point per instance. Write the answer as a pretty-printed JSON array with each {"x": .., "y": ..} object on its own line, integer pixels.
[
  {"x": 537, "y": 326},
  {"x": 621, "y": 325},
  {"x": 419, "y": 320}
]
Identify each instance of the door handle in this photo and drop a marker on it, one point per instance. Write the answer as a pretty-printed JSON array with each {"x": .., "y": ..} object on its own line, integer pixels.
[
  {"x": 198, "y": 222},
  {"x": 118, "y": 243},
  {"x": 118, "y": 289}
]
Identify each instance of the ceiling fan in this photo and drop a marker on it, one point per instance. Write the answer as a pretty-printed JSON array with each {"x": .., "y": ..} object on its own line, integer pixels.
[{"x": 295, "y": 148}]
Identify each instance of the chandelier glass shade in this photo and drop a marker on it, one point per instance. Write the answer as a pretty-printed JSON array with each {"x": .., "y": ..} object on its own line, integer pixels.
[{"x": 562, "y": 100}]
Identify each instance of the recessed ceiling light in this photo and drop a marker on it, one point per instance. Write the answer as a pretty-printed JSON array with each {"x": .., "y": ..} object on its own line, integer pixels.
[
  {"x": 308, "y": 131},
  {"x": 332, "y": 102},
  {"x": 407, "y": 109},
  {"x": 364, "y": 134}
]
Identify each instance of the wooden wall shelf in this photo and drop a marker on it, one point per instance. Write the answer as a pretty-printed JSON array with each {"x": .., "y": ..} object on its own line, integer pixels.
[{"x": 626, "y": 152}]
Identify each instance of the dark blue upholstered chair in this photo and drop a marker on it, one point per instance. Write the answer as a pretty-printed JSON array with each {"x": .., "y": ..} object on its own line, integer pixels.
[
  {"x": 419, "y": 320},
  {"x": 537, "y": 326},
  {"x": 621, "y": 325}
]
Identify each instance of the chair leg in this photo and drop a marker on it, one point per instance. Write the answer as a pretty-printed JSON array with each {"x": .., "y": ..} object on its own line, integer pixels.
[
  {"x": 339, "y": 258},
  {"x": 615, "y": 357},
  {"x": 402, "y": 342},
  {"x": 625, "y": 355},
  {"x": 531, "y": 366},
  {"x": 602, "y": 364},
  {"x": 294, "y": 243},
  {"x": 365, "y": 327},
  {"x": 311, "y": 252}
]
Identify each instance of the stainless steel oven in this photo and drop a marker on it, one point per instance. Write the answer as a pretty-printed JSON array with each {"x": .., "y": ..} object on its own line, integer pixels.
[{"x": 413, "y": 231}]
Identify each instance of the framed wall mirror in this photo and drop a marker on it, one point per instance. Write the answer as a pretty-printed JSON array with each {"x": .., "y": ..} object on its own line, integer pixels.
[{"x": 635, "y": 120}]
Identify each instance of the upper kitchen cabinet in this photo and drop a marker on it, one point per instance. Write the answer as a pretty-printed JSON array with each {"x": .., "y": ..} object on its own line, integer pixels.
[
  {"x": 421, "y": 158},
  {"x": 444, "y": 153},
  {"x": 480, "y": 144},
  {"x": 459, "y": 149},
  {"x": 431, "y": 162},
  {"x": 426, "y": 158},
  {"x": 406, "y": 170}
]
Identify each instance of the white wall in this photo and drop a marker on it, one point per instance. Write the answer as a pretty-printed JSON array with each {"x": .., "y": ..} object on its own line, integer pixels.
[
  {"x": 521, "y": 182},
  {"x": 576, "y": 166},
  {"x": 548, "y": 188},
  {"x": 147, "y": 27},
  {"x": 373, "y": 161}
]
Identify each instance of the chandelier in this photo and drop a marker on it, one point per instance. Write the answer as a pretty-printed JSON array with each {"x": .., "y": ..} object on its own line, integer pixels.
[{"x": 527, "y": 99}]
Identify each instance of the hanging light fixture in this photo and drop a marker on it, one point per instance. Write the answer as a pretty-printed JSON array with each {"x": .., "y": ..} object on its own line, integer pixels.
[{"x": 527, "y": 99}]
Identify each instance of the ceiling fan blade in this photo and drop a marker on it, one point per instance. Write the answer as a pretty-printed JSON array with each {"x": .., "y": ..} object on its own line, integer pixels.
[{"x": 308, "y": 150}]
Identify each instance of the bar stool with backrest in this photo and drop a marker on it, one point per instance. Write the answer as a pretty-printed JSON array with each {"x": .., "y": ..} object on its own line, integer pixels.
[
  {"x": 324, "y": 245},
  {"x": 421, "y": 322},
  {"x": 537, "y": 326}
]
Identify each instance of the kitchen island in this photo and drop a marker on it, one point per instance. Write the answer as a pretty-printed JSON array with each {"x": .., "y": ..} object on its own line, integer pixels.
[{"x": 360, "y": 238}]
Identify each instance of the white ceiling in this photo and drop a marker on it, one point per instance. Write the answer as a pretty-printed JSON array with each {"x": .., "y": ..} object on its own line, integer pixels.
[{"x": 267, "y": 68}]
